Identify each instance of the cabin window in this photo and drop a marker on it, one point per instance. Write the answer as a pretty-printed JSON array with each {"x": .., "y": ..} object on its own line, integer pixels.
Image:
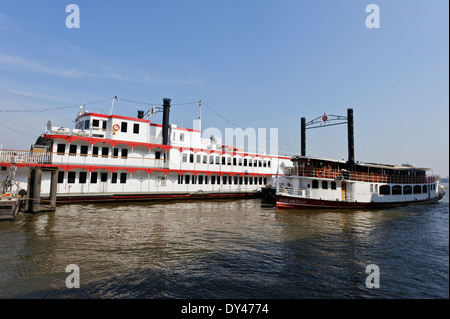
[
  {"x": 240, "y": 162},
  {"x": 104, "y": 123},
  {"x": 71, "y": 177},
  {"x": 60, "y": 177},
  {"x": 407, "y": 190},
  {"x": 240, "y": 180},
  {"x": 333, "y": 185},
  {"x": 211, "y": 159},
  {"x": 114, "y": 178},
  {"x": 115, "y": 152},
  {"x": 194, "y": 179},
  {"x": 268, "y": 163},
  {"x": 86, "y": 124},
  {"x": 200, "y": 179},
  {"x": 94, "y": 177},
  {"x": 245, "y": 162},
  {"x": 191, "y": 158},
  {"x": 396, "y": 190},
  {"x": 206, "y": 179},
  {"x": 198, "y": 158},
  {"x": 385, "y": 190},
  {"x": 83, "y": 150},
  {"x": 180, "y": 179},
  {"x": 205, "y": 159},
  {"x": 265, "y": 180},
  {"x": 245, "y": 180},
  {"x": 417, "y": 189},
  {"x": 315, "y": 184},
  {"x": 104, "y": 177},
  {"x": 235, "y": 180},
  {"x": 184, "y": 158},
  {"x": 234, "y": 161},
  {"x": 250, "y": 162},
  {"x": 123, "y": 127},
  {"x": 95, "y": 123},
  {"x": 61, "y": 148},
  {"x": 264, "y": 164},
  {"x": 217, "y": 160},
  {"x": 82, "y": 178},
  {"x": 371, "y": 188},
  {"x": 224, "y": 180},
  {"x": 136, "y": 128},
  {"x": 124, "y": 152},
  {"x": 250, "y": 180},
  {"x": 95, "y": 151},
  {"x": 424, "y": 189},
  {"x": 123, "y": 178},
  {"x": 213, "y": 179},
  {"x": 181, "y": 137},
  {"x": 72, "y": 150},
  {"x": 376, "y": 188},
  {"x": 228, "y": 160},
  {"x": 105, "y": 151},
  {"x": 187, "y": 179},
  {"x": 324, "y": 185}
]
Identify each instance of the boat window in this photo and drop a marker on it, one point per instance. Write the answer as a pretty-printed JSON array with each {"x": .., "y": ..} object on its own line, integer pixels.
[
  {"x": 217, "y": 160},
  {"x": 265, "y": 180},
  {"x": 180, "y": 179},
  {"x": 104, "y": 123},
  {"x": 228, "y": 160},
  {"x": 371, "y": 188},
  {"x": 245, "y": 162},
  {"x": 245, "y": 180},
  {"x": 235, "y": 180},
  {"x": 104, "y": 177},
  {"x": 184, "y": 158},
  {"x": 385, "y": 190},
  {"x": 223, "y": 160},
  {"x": 136, "y": 128},
  {"x": 181, "y": 137},
  {"x": 250, "y": 180},
  {"x": 229, "y": 180},
  {"x": 199, "y": 157},
  {"x": 333, "y": 185},
  {"x": 191, "y": 158},
  {"x": 224, "y": 179},
  {"x": 264, "y": 164},
  {"x": 86, "y": 124},
  {"x": 114, "y": 178},
  {"x": 200, "y": 179},
  {"x": 123, "y": 127},
  {"x": 83, "y": 150},
  {"x": 95, "y": 151},
  {"x": 234, "y": 161},
  {"x": 324, "y": 185},
  {"x": 407, "y": 190},
  {"x": 396, "y": 190},
  {"x": 94, "y": 177},
  {"x": 115, "y": 152},
  {"x": 250, "y": 162},
  {"x": 268, "y": 163},
  {"x": 82, "y": 178},
  {"x": 240, "y": 180},
  {"x": 105, "y": 151},
  {"x": 376, "y": 188},
  {"x": 417, "y": 189},
  {"x": 124, "y": 152},
  {"x": 213, "y": 179},
  {"x": 123, "y": 178},
  {"x": 315, "y": 184},
  {"x": 205, "y": 159},
  {"x": 72, "y": 150},
  {"x": 71, "y": 177},
  {"x": 206, "y": 179},
  {"x": 194, "y": 179},
  {"x": 95, "y": 123},
  {"x": 60, "y": 177},
  {"x": 61, "y": 148},
  {"x": 187, "y": 179},
  {"x": 211, "y": 159},
  {"x": 240, "y": 162}
]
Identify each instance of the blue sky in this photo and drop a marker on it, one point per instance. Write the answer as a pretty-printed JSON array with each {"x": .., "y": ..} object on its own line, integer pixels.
[{"x": 261, "y": 64}]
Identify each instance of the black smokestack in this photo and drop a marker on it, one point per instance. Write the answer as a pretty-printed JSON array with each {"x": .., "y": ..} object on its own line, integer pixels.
[
  {"x": 165, "y": 124},
  {"x": 303, "y": 136},
  {"x": 351, "y": 139},
  {"x": 140, "y": 114}
]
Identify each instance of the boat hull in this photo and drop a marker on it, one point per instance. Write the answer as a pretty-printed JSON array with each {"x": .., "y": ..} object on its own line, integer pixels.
[{"x": 286, "y": 202}]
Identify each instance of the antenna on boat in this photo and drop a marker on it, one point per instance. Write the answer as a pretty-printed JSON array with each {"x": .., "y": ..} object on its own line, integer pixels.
[{"x": 112, "y": 105}]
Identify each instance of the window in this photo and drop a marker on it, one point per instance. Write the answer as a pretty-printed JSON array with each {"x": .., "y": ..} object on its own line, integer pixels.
[
  {"x": 104, "y": 123},
  {"x": 123, "y": 127},
  {"x": 180, "y": 179},
  {"x": 245, "y": 162},
  {"x": 250, "y": 162},
  {"x": 95, "y": 151},
  {"x": 371, "y": 188},
  {"x": 385, "y": 190},
  {"x": 235, "y": 179},
  {"x": 376, "y": 188},
  {"x": 324, "y": 185},
  {"x": 61, "y": 148},
  {"x": 94, "y": 176},
  {"x": 315, "y": 184},
  {"x": 245, "y": 180},
  {"x": 83, "y": 150},
  {"x": 265, "y": 180},
  {"x": 194, "y": 179},
  {"x": 191, "y": 158},
  {"x": 199, "y": 158},
  {"x": 211, "y": 159},
  {"x": 217, "y": 160},
  {"x": 181, "y": 137},
  {"x": 104, "y": 177},
  {"x": 71, "y": 177},
  {"x": 268, "y": 163},
  {"x": 72, "y": 150},
  {"x": 184, "y": 158},
  {"x": 234, "y": 161},
  {"x": 407, "y": 190},
  {"x": 424, "y": 189},
  {"x": 123, "y": 178},
  {"x": 95, "y": 123},
  {"x": 205, "y": 159},
  {"x": 82, "y": 177},
  {"x": 200, "y": 179},
  {"x": 264, "y": 164},
  {"x": 213, "y": 179},
  {"x": 60, "y": 177},
  {"x": 105, "y": 151},
  {"x": 417, "y": 189},
  {"x": 396, "y": 190},
  {"x": 224, "y": 179},
  {"x": 250, "y": 180},
  {"x": 187, "y": 179},
  {"x": 115, "y": 152},
  {"x": 124, "y": 152},
  {"x": 136, "y": 128},
  {"x": 114, "y": 178},
  {"x": 228, "y": 160},
  {"x": 333, "y": 185},
  {"x": 240, "y": 180},
  {"x": 223, "y": 160},
  {"x": 86, "y": 124},
  {"x": 240, "y": 162}
]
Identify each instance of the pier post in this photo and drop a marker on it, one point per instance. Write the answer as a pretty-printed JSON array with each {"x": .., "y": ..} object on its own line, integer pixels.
[
  {"x": 36, "y": 194},
  {"x": 303, "y": 137},
  {"x": 53, "y": 189},
  {"x": 351, "y": 139}
]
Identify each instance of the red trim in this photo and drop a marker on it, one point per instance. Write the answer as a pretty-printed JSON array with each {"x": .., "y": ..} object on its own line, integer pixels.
[{"x": 113, "y": 116}]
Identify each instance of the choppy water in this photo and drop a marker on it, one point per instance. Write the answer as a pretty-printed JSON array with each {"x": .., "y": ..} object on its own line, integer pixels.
[{"x": 225, "y": 249}]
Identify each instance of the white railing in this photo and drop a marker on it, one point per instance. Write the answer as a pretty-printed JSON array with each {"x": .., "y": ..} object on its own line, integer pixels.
[{"x": 14, "y": 156}]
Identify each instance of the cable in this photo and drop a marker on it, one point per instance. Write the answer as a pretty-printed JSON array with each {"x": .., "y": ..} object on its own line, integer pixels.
[{"x": 53, "y": 108}]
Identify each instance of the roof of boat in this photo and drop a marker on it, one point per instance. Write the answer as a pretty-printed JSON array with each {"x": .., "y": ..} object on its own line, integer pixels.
[{"x": 379, "y": 165}]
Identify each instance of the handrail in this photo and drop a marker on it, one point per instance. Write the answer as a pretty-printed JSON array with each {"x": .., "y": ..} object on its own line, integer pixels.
[{"x": 359, "y": 176}]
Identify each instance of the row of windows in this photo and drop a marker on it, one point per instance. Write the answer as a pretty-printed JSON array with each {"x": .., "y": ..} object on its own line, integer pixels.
[
  {"x": 96, "y": 151},
  {"x": 315, "y": 184},
  {"x": 82, "y": 177},
  {"x": 406, "y": 190},
  {"x": 96, "y": 124},
  {"x": 213, "y": 179},
  {"x": 225, "y": 160}
]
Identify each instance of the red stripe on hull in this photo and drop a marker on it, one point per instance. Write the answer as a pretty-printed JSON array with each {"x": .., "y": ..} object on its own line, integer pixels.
[{"x": 295, "y": 202}]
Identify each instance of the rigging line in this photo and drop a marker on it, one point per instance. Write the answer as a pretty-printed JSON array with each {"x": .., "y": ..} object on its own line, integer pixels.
[
  {"x": 137, "y": 102},
  {"x": 21, "y": 133},
  {"x": 53, "y": 108}
]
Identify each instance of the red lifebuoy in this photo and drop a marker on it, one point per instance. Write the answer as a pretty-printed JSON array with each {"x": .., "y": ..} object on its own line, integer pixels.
[
  {"x": 116, "y": 127},
  {"x": 319, "y": 174}
]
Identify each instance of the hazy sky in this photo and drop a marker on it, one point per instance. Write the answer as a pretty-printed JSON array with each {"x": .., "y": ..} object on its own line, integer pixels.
[{"x": 260, "y": 64}]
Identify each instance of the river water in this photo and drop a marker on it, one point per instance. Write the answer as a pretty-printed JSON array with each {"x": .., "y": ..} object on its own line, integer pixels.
[{"x": 226, "y": 249}]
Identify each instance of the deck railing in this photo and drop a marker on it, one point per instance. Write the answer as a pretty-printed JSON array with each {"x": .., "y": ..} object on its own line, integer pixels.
[
  {"x": 14, "y": 156},
  {"x": 359, "y": 176}
]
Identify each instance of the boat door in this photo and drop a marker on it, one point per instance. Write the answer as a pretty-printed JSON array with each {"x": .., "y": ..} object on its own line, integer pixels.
[
  {"x": 343, "y": 190},
  {"x": 103, "y": 182}
]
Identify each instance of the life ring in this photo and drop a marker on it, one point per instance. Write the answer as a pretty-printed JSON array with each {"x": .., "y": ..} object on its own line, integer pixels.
[
  {"x": 116, "y": 127},
  {"x": 319, "y": 174}
]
